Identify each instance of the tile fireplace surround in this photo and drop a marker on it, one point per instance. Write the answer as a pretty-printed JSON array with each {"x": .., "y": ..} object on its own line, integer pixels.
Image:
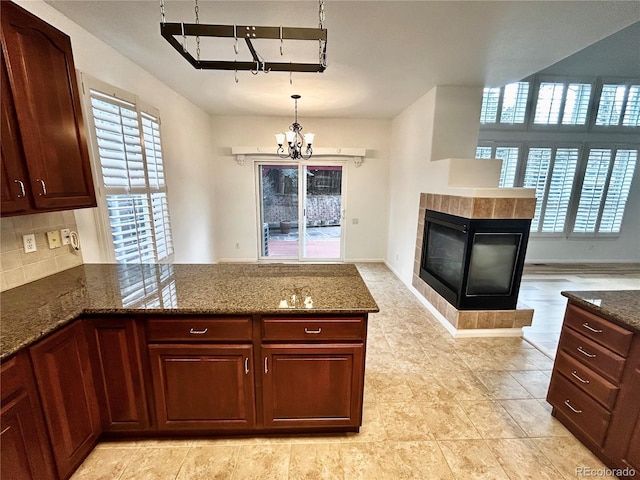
[{"x": 465, "y": 321}]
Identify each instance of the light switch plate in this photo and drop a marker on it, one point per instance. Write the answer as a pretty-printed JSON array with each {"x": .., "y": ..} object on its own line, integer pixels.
[
  {"x": 53, "y": 237},
  {"x": 29, "y": 243}
]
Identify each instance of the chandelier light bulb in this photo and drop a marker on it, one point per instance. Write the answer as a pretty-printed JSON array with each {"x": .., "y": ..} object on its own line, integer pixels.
[{"x": 280, "y": 139}]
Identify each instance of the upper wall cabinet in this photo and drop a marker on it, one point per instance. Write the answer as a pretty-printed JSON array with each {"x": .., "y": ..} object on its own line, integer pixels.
[{"x": 45, "y": 159}]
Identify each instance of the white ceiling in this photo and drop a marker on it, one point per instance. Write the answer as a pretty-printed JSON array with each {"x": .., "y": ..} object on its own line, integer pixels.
[{"x": 382, "y": 55}]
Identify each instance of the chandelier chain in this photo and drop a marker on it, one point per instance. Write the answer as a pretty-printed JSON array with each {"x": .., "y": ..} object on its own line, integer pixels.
[
  {"x": 162, "y": 16},
  {"x": 197, "y": 10}
]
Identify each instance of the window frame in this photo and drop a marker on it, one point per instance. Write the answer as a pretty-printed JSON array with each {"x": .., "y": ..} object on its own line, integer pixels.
[
  {"x": 560, "y": 127},
  {"x": 498, "y": 125},
  {"x": 620, "y": 128},
  {"x": 103, "y": 223}
]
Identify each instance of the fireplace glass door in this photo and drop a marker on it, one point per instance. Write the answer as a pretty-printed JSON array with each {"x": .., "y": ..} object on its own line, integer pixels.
[{"x": 492, "y": 263}]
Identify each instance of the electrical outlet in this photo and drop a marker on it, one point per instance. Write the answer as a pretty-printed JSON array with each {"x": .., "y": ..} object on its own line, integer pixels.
[
  {"x": 237, "y": 246},
  {"x": 53, "y": 237},
  {"x": 29, "y": 243},
  {"x": 65, "y": 233}
]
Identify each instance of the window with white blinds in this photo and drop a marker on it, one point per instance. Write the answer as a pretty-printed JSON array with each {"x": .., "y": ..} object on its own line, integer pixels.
[
  {"x": 562, "y": 103},
  {"x": 509, "y": 104},
  {"x": 605, "y": 190},
  {"x": 558, "y": 194},
  {"x": 509, "y": 157},
  {"x": 619, "y": 105},
  {"x": 129, "y": 150}
]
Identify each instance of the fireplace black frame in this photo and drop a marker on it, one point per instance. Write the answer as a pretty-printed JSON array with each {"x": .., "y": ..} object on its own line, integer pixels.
[{"x": 466, "y": 229}]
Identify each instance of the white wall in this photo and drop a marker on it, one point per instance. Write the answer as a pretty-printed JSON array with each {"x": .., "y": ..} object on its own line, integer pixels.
[
  {"x": 441, "y": 124},
  {"x": 366, "y": 192},
  {"x": 185, "y": 132}
]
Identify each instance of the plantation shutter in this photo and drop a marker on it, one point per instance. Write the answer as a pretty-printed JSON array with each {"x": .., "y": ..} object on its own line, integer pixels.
[
  {"x": 535, "y": 176},
  {"x": 618, "y": 191},
  {"x": 593, "y": 186},
  {"x": 560, "y": 186},
  {"x": 129, "y": 151}
]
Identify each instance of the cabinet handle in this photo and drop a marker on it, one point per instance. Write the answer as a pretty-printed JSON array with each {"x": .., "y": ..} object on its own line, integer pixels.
[
  {"x": 319, "y": 330},
  {"x": 590, "y": 328},
  {"x": 246, "y": 366},
  {"x": 575, "y": 374},
  {"x": 44, "y": 187},
  {"x": 198, "y": 332},
  {"x": 586, "y": 354},
  {"x": 566, "y": 402},
  {"x": 266, "y": 366},
  {"x": 23, "y": 193}
]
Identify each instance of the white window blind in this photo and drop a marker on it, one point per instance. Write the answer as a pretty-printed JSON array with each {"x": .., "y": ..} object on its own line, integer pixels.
[
  {"x": 483, "y": 152},
  {"x": 548, "y": 104},
  {"x": 576, "y": 104},
  {"x": 535, "y": 176},
  {"x": 610, "y": 106},
  {"x": 632, "y": 111},
  {"x": 489, "y": 110},
  {"x": 130, "y": 155},
  {"x": 593, "y": 186},
  {"x": 514, "y": 102},
  {"x": 509, "y": 157},
  {"x": 558, "y": 194}
]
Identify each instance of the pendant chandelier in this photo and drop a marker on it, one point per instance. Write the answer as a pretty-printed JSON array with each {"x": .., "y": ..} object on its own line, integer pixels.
[{"x": 296, "y": 141}]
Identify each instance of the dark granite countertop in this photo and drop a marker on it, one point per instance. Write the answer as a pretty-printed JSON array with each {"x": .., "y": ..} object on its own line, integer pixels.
[
  {"x": 620, "y": 306},
  {"x": 33, "y": 310}
]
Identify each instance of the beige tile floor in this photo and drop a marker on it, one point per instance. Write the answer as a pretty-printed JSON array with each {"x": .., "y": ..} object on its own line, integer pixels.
[{"x": 435, "y": 407}]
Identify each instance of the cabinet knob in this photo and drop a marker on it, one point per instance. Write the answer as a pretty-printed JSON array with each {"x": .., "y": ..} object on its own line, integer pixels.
[
  {"x": 22, "y": 192},
  {"x": 44, "y": 187}
]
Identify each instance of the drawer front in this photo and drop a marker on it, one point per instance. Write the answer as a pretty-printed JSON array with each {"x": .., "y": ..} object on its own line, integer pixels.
[
  {"x": 587, "y": 380},
  {"x": 599, "y": 330},
  {"x": 592, "y": 354},
  {"x": 196, "y": 329},
  {"x": 313, "y": 329},
  {"x": 579, "y": 409}
]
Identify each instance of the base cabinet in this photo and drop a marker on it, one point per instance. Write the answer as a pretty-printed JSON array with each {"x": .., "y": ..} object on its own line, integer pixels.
[
  {"x": 25, "y": 452},
  {"x": 65, "y": 381},
  {"x": 203, "y": 387},
  {"x": 595, "y": 386},
  {"x": 310, "y": 385},
  {"x": 116, "y": 347}
]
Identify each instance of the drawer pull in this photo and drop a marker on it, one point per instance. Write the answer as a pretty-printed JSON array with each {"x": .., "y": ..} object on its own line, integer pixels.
[
  {"x": 246, "y": 366},
  {"x": 566, "y": 402},
  {"x": 590, "y": 328},
  {"x": 22, "y": 192},
  {"x": 586, "y": 354},
  {"x": 315, "y": 332},
  {"x": 266, "y": 365},
  {"x": 582, "y": 380},
  {"x": 198, "y": 332}
]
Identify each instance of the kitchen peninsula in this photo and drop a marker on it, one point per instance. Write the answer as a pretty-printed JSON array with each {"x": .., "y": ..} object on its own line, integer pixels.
[
  {"x": 595, "y": 383},
  {"x": 158, "y": 350}
]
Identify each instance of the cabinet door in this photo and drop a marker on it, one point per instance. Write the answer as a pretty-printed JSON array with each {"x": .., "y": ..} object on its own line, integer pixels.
[
  {"x": 115, "y": 347},
  {"x": 313, "y": 385},
  {"x": 64, "y": 378},
  {"x": 24, "y": 445},
  {"x": 14, "y": 176},
  {"x": 48, "y": 108},
  {"x": 633, "y": 452},
  {"x": 203, "y": 387}
]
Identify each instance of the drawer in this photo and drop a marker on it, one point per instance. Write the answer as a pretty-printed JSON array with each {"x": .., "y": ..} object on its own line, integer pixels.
[
  {"x": 198, "y": 329},
  {"x": 592, "y": 354},
  {"x": 586, "y": 380},
  {"x": 579, "y": 409},
  {"x": 312, "y": 329},
  {"x": 598, "y": 329}
]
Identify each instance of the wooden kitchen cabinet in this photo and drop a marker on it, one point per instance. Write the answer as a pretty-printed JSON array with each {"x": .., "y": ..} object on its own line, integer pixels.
[
  {"x": 51, "y": 169},
  {"x": 25, "y": 451},
  {"x": 595, "y": 386},
  {"x": 313, "y": 371},
  {"x": 310, "y": 386},
  {"x": 203, "y": 387},
  {"x": 65, "y": 382},
  {"x": 12, "y": 193},
  {"x": 116, "y": 347}
]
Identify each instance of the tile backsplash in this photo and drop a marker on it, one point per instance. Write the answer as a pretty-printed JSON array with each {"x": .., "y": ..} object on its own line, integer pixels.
[{"x": 18, "y": 267}]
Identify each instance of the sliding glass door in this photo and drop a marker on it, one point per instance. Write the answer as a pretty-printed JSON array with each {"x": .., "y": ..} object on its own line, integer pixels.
[{"x": 301, "y": 211}]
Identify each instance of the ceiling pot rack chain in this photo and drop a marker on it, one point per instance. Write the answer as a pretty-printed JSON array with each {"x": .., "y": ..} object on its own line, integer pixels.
[{"x": 171, "y": 30}]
